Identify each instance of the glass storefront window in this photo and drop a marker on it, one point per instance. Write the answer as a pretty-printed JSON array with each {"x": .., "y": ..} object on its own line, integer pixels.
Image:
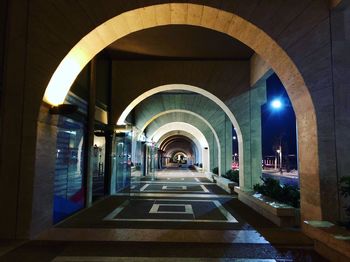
[{"x": 69, "y": 193}]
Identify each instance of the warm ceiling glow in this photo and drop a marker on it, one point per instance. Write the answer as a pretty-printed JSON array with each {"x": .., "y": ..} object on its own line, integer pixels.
[{"x": 64, "y": 77}]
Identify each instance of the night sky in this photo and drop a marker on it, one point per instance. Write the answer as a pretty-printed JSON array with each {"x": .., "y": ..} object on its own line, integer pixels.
[{"x": 276, "y": 123}]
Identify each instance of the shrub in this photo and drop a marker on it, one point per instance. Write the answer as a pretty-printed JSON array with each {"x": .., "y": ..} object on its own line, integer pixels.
[
  {"x": 286, "y": 194},
  {"x": 232, "y": 175},
  {"x": 200, "y": 165},
  {"x": 216, "y": 170}
]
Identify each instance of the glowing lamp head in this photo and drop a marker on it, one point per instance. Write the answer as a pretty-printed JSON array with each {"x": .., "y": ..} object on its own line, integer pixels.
[{"x": 276, "y": 104}]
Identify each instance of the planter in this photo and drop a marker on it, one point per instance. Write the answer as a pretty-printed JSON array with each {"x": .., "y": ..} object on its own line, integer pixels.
[
  {"x": 211, "y": 176},
  {"x": 280, "y": 214},
  {"x": 198, "y": 169},
  {"x": 331, "y": 241},
  {"x": 226, "y": 184}
]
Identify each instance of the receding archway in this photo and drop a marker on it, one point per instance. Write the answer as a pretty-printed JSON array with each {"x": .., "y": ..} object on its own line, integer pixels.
[
  {"x": 225, "y": 22},
  {"x": 198, "y": 145},
  {"x": 197, "y": 116},
  {"x": 167, "y": 129},
  {"x": 169, "y": 143}
]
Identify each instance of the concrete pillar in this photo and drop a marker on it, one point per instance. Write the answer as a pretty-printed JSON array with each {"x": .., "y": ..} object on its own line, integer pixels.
[
  {"x": 247, "y": 112},
  {"x": 257, "y": 98},
  {"x": 45, "y": 155},
  {"x": 340, "y": 28},
  {"x": 213, "y": 153},
  {"x": 90, "y": 132},
  {"x": 109, "y": 136},
  {"x": 15, "y": 220},
  {"x": 205, "y": 160},
  {"x": 225, "y": 137},
  {"x": 227, "y": 154}
]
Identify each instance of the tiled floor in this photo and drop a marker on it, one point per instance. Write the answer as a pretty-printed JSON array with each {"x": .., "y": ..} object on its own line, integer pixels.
[
  {"x": 179, "y": 216},
  {"x": 59, "y": 251},
  {"x": 175, "y": 210}
]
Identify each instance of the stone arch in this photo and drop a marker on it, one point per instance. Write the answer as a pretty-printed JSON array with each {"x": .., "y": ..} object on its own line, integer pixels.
[
  {"x": 194, "y": 89},
  {"x": 206, "y": 122},
  {"x": 225, "y": 22},
  {"x": 186, "y": 127},
  {"x": 198, "y": 145},
  {"x": 185, "y": 134}
]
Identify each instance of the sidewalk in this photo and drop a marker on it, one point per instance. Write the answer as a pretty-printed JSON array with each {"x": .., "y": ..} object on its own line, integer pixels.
[{"x": 286, "y": 178}]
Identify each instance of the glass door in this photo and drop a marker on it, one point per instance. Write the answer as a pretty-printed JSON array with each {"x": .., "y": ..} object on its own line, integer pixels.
[
  {"x": 122, "y": 163},
  {"x": 98, "y": 167},
  {"x": 136, "y": 166}
]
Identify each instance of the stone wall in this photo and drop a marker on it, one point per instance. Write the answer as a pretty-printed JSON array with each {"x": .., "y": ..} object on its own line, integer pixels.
[
  {"x": 340, "y": 27},
  {"x": 43, "y": 192},
  {"x": 130, "y": 79}
]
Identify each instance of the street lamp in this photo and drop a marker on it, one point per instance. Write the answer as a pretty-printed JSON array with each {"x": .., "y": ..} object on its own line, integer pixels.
[
  {"x": 279, "y": 152},
  {"x": 276, "y": 104},
  {"x": 234, "y": 157}
]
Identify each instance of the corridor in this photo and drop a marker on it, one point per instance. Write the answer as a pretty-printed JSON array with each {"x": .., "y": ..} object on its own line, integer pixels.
[
  {"x": 124, "y": 124},
  {"x": 176, "y": 215},
  {"x": 173, "y": 198}
]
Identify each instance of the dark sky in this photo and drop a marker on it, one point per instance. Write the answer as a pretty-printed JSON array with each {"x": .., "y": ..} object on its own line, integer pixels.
[{"x": 277, "y": 123}]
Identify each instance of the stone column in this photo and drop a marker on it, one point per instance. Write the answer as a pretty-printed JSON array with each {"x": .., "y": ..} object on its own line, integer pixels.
[
  {"x": 213, "y": 153},
  {"x": 257, "y": 98},
  {"x": 227, "y": 154},
  {"x": 246, "y": 108},
  {"x": 340, "y": 28},
  {"x": 109, "y": 136},
  {"x": 14, "y": 220},
  {"x": 90, "y": 132}
]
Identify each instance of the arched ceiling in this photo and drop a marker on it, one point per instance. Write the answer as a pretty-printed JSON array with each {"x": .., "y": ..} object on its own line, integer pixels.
[
  {"x": 197, "y": 144},
  {"x": 165, "y": 129},
  {"x": 174, "y": 139},
  {"x": 178, "y": 143},
  {"x": 177, "y": 117},
  {"x": 177, "y": 151},
  {"x": 178, "y": 42},
  {"x": 183, "y": 146},
  {"x": 177, "y": 99}
]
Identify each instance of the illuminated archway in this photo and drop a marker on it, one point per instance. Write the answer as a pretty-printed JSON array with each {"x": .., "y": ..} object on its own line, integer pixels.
[
  {"x": 197, "y": 116},
  {"x": 198, "y": 146},
  {"x": 182, "y": 126},
  {"x": 224, "y": 22}
]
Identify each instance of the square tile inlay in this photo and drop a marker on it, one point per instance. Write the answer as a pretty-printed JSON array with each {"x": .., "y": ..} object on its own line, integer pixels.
[
  {"x": 171, "y": 209},
  {"x": 174, "y": 187}
]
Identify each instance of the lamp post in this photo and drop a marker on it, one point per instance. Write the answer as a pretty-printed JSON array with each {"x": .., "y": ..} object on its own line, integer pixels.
[
  {"x": 279, "y": 152},
  {"x": 234, "y": 157},
  {"x": 276, "y": 104}
]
